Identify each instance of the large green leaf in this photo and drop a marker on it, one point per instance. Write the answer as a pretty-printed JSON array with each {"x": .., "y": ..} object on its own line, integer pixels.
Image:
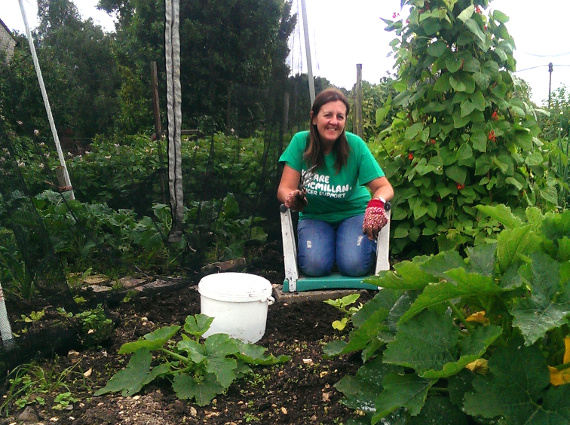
[
  {"x": 414, "y": 130},
  {"x": 459, "y": 284},
  {"x": 547, "y": 307},
  {"x": 453, "y": 64},
  {"x": 442, "y": 84},
  {"x": 151, "y": 341},
  {"x": 464, "y": 152},
  {"x": 517, "y": 389},
  {"x": 255, "y": 355},
  {"x": 367, "y": 334},
  {"x": 409, "y": 391},
  {"x": 502, "y": 214},
  {"x": 406, "y": 275},
  {"x": 482, "y": 259},
  {"x": 429, "y": 343},
  {"x": 437, "y": 49},
  {"x": 135, "y": 376},
  {"x": 202, "y": 389},
  {"x": 513, "y": 244},
  {"x": 196, "y": 351},
  {"x": 220, "y": 345},
  {"x": 556, "y": 226},
  {"x": 466, "y": 13},
  {"x": 197, "y": 324},
  {"x": 456, "y": 173},
  {"x": 500, "y": 16},
  {"x": 223, "y": 369},
  {"x": 439, "y": 410},
  {"x": 441, "y": 263},
  {"x": 383, "y": 300},
  {"x": 360, "y": 391},
  {"x": 479, "y": 141},
  {"x": 475, "y": 29}
]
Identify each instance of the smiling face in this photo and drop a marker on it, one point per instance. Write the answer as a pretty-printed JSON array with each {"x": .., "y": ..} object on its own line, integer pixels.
[{"x": 330, "y": 122}]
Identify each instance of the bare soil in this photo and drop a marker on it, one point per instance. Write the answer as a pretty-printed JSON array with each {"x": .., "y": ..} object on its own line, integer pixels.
[{"x": 298, "y": 392}]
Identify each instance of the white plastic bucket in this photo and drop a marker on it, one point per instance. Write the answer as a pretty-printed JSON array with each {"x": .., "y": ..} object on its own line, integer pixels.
[{"x": 238, "y": 303}]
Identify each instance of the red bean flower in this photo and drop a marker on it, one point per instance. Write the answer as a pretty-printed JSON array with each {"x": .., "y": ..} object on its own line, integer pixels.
[
  {"x": 460, "y": 186},
  {"x": 495, "y": 116},
  {"x": 410, "y": 156},
  {"x": 492, "y": 136}
]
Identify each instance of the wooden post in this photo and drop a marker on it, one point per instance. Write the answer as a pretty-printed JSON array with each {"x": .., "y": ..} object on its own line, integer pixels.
[
  {"x": 357, "y": 126},
  {"x": 158, "y": 128}
]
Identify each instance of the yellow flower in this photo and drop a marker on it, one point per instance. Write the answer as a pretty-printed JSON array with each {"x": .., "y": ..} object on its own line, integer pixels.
[
  {"x": 561, "y": 377},
  {"x": 478, "y": 366},
  {"x": 478, "y": 317}
]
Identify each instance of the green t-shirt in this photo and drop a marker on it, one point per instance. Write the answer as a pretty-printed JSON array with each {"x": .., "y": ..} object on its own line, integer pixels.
[{"x": 334, "y": 197}]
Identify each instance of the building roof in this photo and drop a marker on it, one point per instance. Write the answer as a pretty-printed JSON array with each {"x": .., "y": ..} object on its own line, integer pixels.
[{"x": 6, "y": 28}]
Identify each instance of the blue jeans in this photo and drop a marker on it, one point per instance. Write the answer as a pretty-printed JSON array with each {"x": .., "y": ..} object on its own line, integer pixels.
[{"x": 322, "y": 245}]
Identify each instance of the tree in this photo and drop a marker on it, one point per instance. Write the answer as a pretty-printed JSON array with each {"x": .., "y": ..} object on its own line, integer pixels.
[
  {"x": 232, "y": 56},
  {"x": 78, "y": 70},
  {"x": 462, "y": 137}
]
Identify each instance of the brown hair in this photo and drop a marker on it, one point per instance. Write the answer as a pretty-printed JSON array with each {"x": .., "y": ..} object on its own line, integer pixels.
[{"x": 314, "y": 151}]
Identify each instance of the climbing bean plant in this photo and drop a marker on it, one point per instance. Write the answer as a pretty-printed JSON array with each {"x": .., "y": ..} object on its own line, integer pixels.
[{"x": 461, "y": 136}]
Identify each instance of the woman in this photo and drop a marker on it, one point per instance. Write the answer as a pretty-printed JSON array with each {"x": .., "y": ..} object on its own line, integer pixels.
[{"x": 339, "y": 220}]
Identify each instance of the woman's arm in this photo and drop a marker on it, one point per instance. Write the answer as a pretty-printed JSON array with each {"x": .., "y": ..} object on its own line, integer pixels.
[
  {"x": 288, "y": 191},
  {"x": 381, "y": 187}
]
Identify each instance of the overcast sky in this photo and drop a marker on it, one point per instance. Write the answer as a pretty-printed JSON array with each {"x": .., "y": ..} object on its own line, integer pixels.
[{"x": 345, "y": 33}]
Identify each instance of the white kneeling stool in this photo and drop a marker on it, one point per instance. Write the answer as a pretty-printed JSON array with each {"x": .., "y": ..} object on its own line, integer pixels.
[{"x": 294, "y": 282}]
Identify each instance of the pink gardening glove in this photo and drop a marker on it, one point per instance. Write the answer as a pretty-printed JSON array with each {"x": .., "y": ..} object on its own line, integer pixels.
[
  {"x": 375, "y": 218},
  {"x": 296, "y": 200}
]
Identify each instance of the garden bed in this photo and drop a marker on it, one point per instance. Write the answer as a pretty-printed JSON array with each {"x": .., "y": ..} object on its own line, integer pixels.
[{"x": 300, "y": 391}]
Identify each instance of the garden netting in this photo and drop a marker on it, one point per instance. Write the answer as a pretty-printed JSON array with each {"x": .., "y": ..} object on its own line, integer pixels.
[{"x": 27, "y": 233}]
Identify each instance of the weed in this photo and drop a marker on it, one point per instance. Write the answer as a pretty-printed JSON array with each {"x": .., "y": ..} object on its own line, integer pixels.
[{"x": 32, "y": 384}]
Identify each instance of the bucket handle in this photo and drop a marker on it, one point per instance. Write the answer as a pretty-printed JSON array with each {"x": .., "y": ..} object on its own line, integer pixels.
[{"x": 270, "y": 300}]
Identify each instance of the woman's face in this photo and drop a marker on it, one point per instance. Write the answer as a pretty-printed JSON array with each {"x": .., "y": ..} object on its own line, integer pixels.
[{"x": 330, "y": 121}]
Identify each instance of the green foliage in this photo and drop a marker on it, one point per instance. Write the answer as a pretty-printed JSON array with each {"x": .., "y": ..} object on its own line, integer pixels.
[
  {"x": 13, "y": 269},
  {"x": 31, "y": 384},
  {"x": 555, "y": 129},
  {"x": 474, "y": 337},
  {"x": 79, "y": 72},
  {"x": 95, "y": 326},
  {"x": 555, "y": 121},
  {"x": 232, "y": 55},
  {"x": 90, "y": 235},
  {"x": 198, "y": 371},
  {"x": 117, "y": 221},
  {"x": 462, "y": 136},
  {"x": 344, "y": 304},
  {"x": 376, "y": 112}
]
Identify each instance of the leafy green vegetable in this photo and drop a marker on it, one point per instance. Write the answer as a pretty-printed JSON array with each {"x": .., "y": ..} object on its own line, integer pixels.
[
  {"x": 476, "y": 334},
  {"x": 199, "y": 371}
]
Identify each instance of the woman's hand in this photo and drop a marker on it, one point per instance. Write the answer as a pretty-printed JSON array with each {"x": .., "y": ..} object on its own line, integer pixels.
[
  {"x": 296, "y": 200},
  {"x": 375, "y": 218}
]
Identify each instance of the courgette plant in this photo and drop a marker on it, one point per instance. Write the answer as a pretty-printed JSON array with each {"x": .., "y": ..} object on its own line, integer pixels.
[
  {"x": 482, "y": 339},
  {"x": 198, "y": 370}
]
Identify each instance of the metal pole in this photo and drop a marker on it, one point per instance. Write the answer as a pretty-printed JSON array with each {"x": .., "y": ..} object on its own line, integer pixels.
[
  {"x": 308, "y": 52},
  {"x": 5, "y": 329},
  {"x": 550, "y": 67},
  {"x": 65, "y": 175}
]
